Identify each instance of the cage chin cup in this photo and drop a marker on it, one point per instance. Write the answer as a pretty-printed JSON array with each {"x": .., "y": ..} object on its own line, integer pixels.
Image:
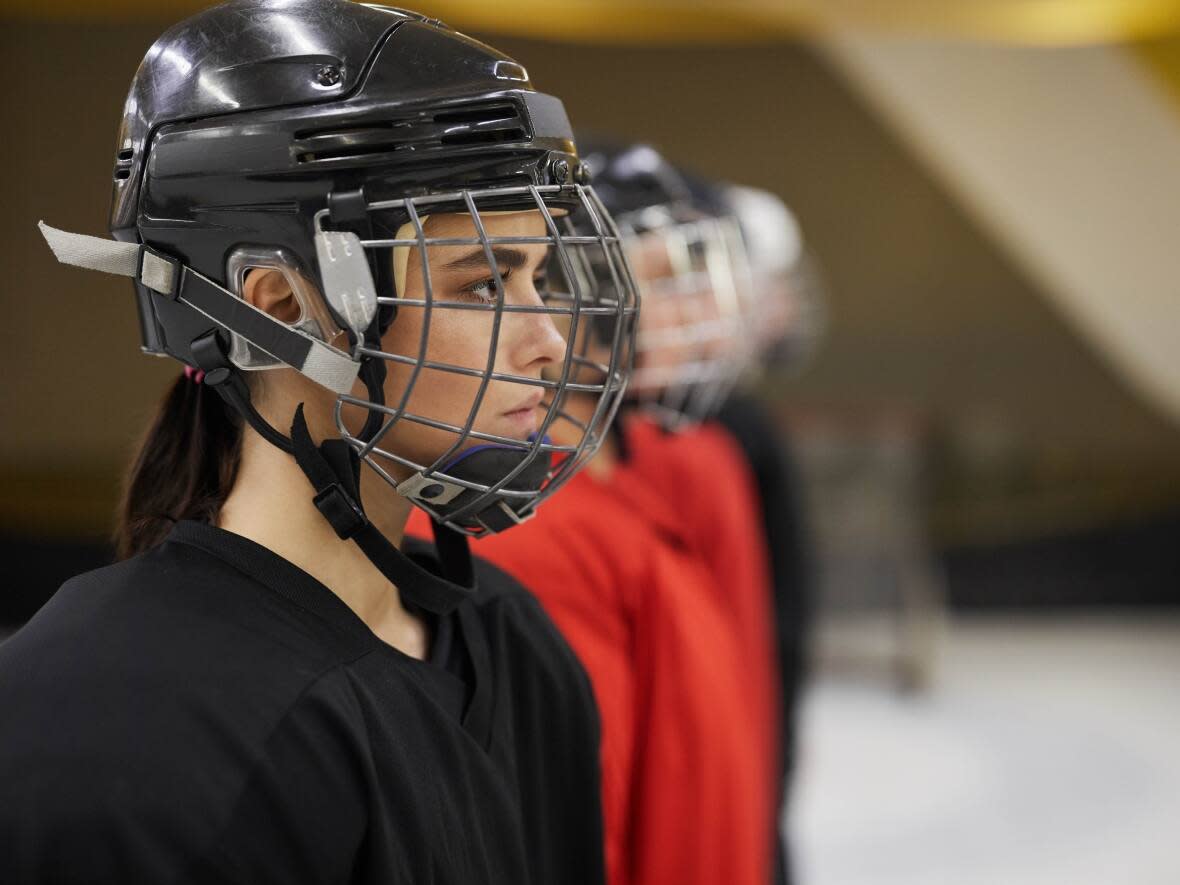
[{"x": 483, "y": 465}]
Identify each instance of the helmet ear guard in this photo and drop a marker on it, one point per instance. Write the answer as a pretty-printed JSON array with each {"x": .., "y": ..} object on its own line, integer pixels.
[{"x": 314, "y": 318}]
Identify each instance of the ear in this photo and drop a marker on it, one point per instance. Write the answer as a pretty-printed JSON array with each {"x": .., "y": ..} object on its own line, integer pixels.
[{"x": 268, "y": 290}]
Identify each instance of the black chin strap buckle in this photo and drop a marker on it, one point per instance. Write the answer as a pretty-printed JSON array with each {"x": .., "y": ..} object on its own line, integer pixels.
[
  {"x": 210, "y": 352},
  {"x": 337, "y": 506}
]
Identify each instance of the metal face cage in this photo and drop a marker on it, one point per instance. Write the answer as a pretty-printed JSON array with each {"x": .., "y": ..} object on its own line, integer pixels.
[
  {"x": 694, "y": 339},
  {"x": 509, "y": 351}
]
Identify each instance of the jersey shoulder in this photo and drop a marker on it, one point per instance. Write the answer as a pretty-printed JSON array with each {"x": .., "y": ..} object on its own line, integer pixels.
[
  {"x": 140, "y": 701},
  {"x": 179, "y": 608}
]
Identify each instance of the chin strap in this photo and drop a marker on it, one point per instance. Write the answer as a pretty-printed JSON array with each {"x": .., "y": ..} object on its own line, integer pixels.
[
  {"x": 333, "y": 468},
  {"x": 209, "y": 352}
]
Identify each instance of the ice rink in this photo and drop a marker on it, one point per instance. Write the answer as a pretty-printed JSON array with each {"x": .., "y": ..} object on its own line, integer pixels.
[{"x": 1046, "y": 753}]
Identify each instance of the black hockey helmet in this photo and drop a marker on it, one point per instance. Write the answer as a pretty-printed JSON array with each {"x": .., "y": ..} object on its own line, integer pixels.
[{"x": 318, "y": 137}]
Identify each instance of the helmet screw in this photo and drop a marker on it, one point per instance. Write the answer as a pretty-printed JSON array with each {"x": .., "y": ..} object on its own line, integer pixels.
[
  {"x": 560, "y": 171},
  {"x": 328, "y": 75}
]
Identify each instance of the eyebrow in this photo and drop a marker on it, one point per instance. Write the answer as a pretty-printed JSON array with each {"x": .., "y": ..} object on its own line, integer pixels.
[{"x": 513, "y": 259}]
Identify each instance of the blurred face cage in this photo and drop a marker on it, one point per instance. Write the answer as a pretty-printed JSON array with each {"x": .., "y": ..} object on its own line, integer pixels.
[
  {"x": 483, "y": 481},
  {"x": 788, "y": 305},
  {"x": 694, "y": 339}
]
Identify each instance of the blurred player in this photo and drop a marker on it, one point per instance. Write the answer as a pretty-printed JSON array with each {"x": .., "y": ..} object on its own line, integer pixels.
[
  {"x": 655, "y": 572},
  {"x": 673, "y": 437},
  {"x": 785, "y": 311}
]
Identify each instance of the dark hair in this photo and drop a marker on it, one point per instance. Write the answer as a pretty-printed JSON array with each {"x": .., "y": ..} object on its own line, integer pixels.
[{"x": 185, "y": 467}]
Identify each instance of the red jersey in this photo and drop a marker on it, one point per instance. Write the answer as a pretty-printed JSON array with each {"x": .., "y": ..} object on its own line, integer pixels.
[
  {"x": 684, "y": 787},
  {"x": 702, "y": 473}
]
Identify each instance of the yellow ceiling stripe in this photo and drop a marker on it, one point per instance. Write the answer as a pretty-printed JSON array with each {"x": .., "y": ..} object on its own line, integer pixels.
[
  {"x": 1034, "y": 22},
  {"x": 1030, "y": 22}
]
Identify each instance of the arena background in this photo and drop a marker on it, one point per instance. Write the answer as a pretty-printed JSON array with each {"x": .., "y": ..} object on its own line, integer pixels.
[{"x": 990, "y": 424}]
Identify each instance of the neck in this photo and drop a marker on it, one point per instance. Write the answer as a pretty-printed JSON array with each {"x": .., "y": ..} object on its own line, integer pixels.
[{"x": 271, "y": 504}]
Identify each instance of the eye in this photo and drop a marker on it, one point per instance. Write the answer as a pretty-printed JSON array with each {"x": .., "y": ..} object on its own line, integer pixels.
[{"x": 485, "y": 290}]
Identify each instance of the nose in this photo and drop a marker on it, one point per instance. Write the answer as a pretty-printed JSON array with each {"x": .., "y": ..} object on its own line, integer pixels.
[
  {"x": 535, "y": 340},
  {"x": 539, "y": 343}
]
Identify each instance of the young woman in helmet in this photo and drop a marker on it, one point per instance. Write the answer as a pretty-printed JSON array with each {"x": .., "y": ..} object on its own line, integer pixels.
[
  {"x": 681, "y": 677},
  {"x": 364, "y": 236}
]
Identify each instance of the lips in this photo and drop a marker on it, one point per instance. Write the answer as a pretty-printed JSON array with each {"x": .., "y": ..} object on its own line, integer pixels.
[
  {"x": 529, "y": 403},
  {"x": 524, "y": 415}
]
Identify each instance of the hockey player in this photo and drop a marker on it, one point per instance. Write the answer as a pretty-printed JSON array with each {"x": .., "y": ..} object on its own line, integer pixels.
[{"x": 366, "y": 239}]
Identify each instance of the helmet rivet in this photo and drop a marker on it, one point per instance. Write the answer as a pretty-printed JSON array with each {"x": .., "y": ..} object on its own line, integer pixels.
[
  {"x": 560, "y": 171},
  {"x": 432, "y": 491},
  {"x": 328, "y": 75}
]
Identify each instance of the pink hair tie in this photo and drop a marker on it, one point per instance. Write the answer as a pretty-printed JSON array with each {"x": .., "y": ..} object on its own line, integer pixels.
[{"x": 194, "y": 375}]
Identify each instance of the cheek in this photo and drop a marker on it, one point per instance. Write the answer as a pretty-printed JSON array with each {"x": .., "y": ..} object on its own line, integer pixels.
[{"x": 457, "y": 338}]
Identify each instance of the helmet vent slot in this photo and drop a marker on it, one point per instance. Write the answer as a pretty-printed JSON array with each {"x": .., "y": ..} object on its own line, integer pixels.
[
  {"x": 496, "y": 123},
  {"x": 485, "y": 114},
  {"x": 123, "y": 164}
]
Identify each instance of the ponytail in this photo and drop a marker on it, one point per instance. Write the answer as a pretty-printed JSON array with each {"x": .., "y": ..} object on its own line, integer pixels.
[{"x": 185, "y": 467}]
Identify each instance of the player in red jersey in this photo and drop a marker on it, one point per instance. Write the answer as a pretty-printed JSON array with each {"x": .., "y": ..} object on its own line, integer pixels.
[
  {"x": 702, "y": 474},
  {"x": 672, "y": 438},
  {"x": 663, "y": 614},
  {"x": 685, "y": 785}
]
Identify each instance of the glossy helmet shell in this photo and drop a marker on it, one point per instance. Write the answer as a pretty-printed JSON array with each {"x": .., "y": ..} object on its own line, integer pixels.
[{"x": 243, "y": 119}]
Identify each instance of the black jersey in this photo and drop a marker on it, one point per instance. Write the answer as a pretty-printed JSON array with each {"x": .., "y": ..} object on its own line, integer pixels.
[{"x": 207, "y": 712}]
